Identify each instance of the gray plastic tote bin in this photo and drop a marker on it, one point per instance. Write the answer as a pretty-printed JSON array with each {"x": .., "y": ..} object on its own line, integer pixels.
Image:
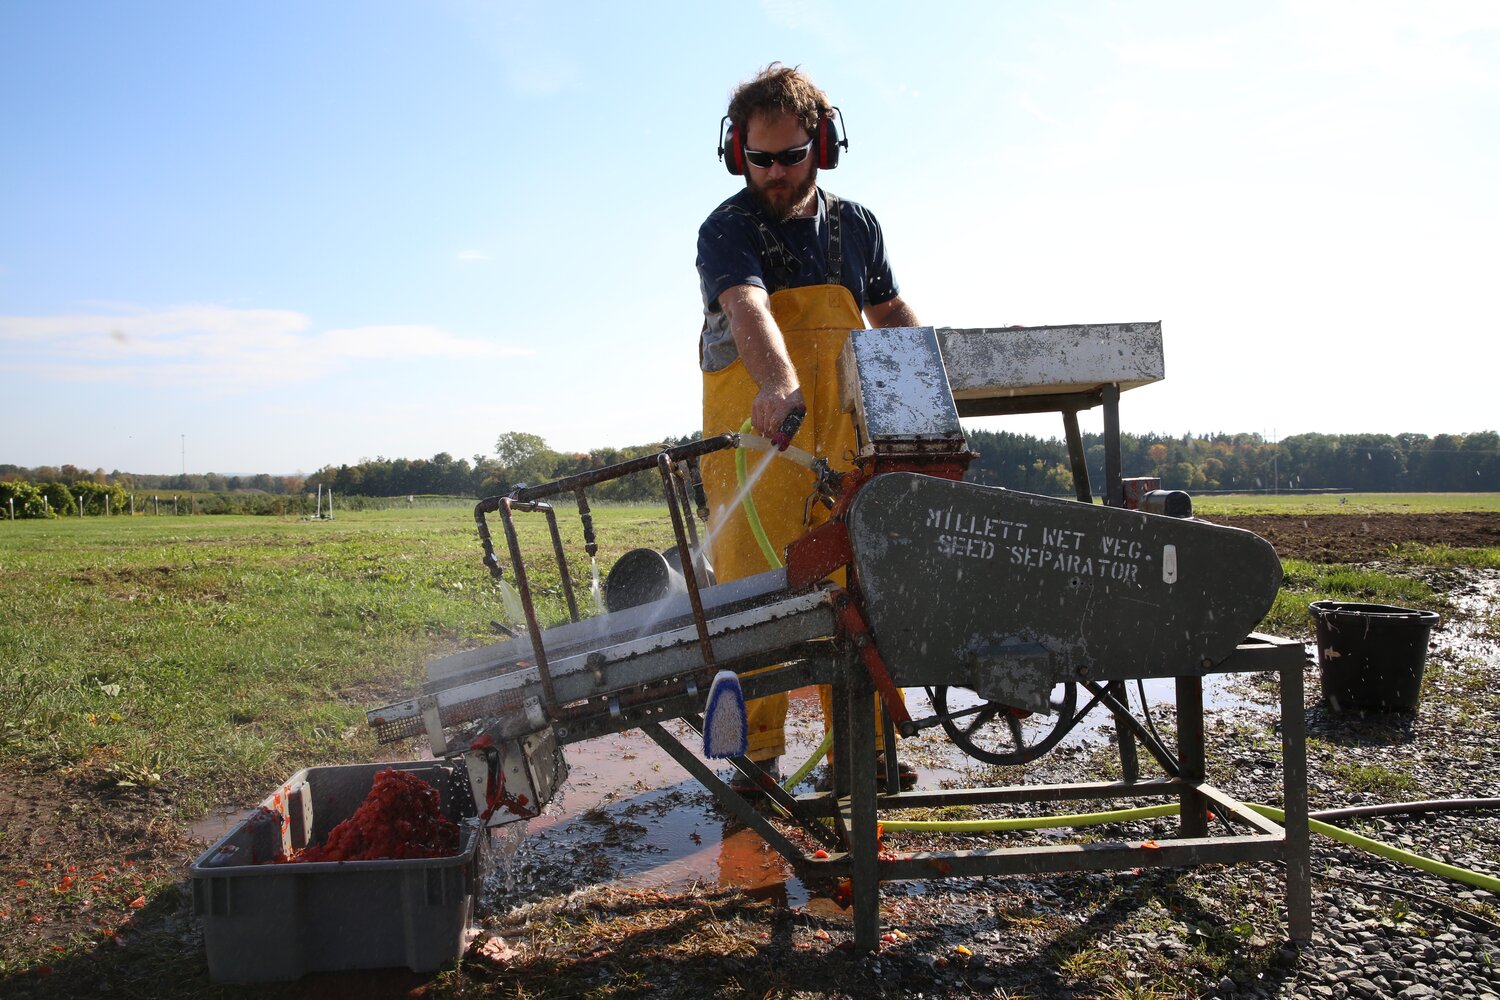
[{"x": 269, "y": 922}]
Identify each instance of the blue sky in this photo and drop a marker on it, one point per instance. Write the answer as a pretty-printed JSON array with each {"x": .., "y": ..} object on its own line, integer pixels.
[{"x": 294, "y": 234}]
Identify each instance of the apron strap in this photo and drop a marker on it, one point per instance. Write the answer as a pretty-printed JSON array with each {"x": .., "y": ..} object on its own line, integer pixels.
[{"x": 835, "y": 274}]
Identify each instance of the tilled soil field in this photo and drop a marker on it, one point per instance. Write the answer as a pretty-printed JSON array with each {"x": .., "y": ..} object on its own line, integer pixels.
[
  {"x": 1358, "y": 538},
  {"x": 612, "y": 898}
]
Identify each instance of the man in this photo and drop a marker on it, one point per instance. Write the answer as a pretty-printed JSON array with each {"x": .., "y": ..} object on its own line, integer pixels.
[{"x": 786, "y": 270}]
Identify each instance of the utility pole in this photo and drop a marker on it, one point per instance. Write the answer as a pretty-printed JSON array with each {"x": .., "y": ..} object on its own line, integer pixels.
[{"x": 184, "y": 455}]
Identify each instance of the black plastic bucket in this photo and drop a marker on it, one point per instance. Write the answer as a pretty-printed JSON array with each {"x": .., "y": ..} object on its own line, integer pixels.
[
  {"x": 639, "y": 577},
  {"x": 1371, "y": 655}
]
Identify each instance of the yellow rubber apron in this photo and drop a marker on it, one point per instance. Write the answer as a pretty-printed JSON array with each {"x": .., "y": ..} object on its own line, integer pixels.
[{"x": 815, "y": 321}]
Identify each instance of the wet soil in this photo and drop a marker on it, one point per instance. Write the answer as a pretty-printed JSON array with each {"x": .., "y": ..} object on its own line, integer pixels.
[{"x": 637, "y": 884}]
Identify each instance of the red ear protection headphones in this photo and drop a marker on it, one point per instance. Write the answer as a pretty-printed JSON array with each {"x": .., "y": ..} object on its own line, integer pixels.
[{"x": 827, "y": 142}]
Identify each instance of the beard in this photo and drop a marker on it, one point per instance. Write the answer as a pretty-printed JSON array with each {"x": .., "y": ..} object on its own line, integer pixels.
[{"x": 783, "y": 199}]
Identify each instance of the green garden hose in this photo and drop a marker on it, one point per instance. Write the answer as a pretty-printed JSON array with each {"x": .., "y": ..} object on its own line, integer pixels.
[
  {"x": 1028, "y": 822},
  {"x": 1476, "y": 879},
  {"x": 742, "y": 475},
  {"x": 810, "y": 763}
]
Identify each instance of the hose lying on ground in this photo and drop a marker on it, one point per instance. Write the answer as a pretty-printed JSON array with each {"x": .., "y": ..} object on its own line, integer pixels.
[
  {"x": 1476, "y": 879},
  {"x": 1431, "y": 865},
  {"x": 1392, "y": 808}
]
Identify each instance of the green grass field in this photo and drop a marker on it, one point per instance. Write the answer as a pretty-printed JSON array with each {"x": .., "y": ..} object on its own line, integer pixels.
[
  {"x": 1346, "y": 503},
  {"x": 214, "y": 655}
]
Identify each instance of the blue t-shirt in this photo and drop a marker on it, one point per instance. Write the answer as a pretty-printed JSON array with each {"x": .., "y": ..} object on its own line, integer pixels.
[{"x": 732, "y": 251}]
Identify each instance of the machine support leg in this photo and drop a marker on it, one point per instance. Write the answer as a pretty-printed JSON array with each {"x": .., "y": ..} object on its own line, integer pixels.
[
  {"x": 1130, "y": 765},
  {"x": 1294, "y": 794},
  {"x": 891, "y": 779},
  {"x": 864, "y": 847},
  {"x": 1076, "y": 457},
  {"x": 841, "y": 741},
  {"x": 1114, "y": 490},
  {"x": 1190, "y": 755}
]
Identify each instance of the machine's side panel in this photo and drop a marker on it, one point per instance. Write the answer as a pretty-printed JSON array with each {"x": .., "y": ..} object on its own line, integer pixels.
[{"x": 954, "y": 574}]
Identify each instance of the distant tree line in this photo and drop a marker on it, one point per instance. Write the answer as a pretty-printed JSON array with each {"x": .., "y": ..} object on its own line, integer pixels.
[
  {"x": 520, "y": 458},
  {"x": 1365, "y": 463},
  {"x": 132, "y": 482}
]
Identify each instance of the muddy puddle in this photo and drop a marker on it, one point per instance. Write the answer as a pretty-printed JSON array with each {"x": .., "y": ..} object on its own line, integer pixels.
[{"x": 630, "y": 815}]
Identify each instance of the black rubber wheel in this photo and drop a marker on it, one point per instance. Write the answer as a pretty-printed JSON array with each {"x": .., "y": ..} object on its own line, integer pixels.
[{"x": 997, "y": 734}]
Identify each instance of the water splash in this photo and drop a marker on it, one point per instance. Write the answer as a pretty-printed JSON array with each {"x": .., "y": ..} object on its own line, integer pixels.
[
  {"x": 596, "y": 596},
  {"x": 758, "y": 465},
  {"x": 514, "y": 613},
  {"x": 499, "y": 862},
  {"x": 594, "y": 590}
]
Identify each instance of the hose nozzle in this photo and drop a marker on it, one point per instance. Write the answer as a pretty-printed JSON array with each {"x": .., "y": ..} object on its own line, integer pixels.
[{"x": 789, "y": 428}]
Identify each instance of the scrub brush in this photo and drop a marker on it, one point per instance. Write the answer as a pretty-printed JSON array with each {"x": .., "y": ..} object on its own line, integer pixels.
[{"x": 725, "y": 727}]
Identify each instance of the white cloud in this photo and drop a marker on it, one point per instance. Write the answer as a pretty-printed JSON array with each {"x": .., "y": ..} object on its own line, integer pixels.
[
  {"x": 811, "y": 17},
  {"x": 1422, "y": 45},
  {"x": 216, "y": 349},
  {"x": 1026, "y": 104},
  {"x": 389, "y": 342}
]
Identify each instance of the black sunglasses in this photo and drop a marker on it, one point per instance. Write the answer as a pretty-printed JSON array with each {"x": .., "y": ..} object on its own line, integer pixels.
[{"x": 787, "y": 157}]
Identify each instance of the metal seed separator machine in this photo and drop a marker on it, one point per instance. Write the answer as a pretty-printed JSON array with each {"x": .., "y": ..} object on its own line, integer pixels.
[{"x": 1006, "y": 606}]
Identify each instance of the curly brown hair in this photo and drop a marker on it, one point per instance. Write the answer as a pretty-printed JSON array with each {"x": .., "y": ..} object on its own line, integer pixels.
[{"x": 779, "y": 89}]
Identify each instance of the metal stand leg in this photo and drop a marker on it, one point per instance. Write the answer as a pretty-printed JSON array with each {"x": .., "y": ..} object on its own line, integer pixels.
[
  {"x": 891, "y": 779},
  {"x": 1190, "y": 755},
  {"x": 864, "y": 847},
  {"x": 841, "y": 741},
  {"x": 1294, "y": 792},
  {"x": 1076, "y": 457},
  {"x": 1130, "y": 765},
  {"x": 1114, "y": 490}
]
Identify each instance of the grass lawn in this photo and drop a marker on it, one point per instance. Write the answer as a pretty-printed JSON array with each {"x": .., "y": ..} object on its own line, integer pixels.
[
  {"x": 214, "y": 655},
  {"x": 1346, "y": 503}
]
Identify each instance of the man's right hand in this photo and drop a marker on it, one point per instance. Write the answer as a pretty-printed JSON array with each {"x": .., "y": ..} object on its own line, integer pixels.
[{"x": 771, "y": 408}]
